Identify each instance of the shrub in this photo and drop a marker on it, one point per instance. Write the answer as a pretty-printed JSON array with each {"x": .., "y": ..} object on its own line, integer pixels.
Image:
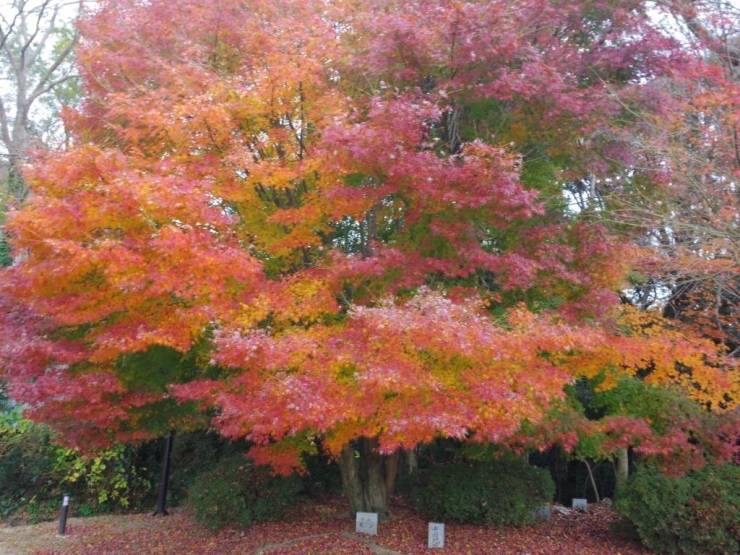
[
  {"x": 192, "y": 454},
  {"x": 34, "y": 472},
  {"x": 237, "y": 493},
  {"x": 104, "y": 479},
  {"x": 694, "y": 514},
  {"x": 27, "y": 463},
  {"x": 504, "y": 491}
]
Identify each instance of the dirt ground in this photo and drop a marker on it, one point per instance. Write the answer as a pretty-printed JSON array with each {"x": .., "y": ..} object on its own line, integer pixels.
[{"x": 30, "y": 539}]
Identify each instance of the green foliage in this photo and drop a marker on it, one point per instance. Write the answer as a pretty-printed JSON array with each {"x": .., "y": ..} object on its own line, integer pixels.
[
  {"x": 27, "y": 463},
  {"x": 6, "y": 257},
  {"x": 694, "y": 514},
  {"x": 40, "y": 511},
  {"x": 104, "y": 479},
  {"x": 194, "y": 453},
  {"x": 634, "y": 397},
  {"x": 236, "y": 493},
  {"x": 152, "y": 370},
  {"x": 157, "y": 367},
  {"x": 503, "y": 491},
  {"x": 35, "y": 472}
]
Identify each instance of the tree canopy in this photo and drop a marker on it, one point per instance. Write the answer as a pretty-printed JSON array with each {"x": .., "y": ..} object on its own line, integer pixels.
[{"x": 344, "y": 219}]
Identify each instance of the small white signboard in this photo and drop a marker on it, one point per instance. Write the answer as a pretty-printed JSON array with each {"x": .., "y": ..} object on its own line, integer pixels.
[
  {"x": 580, "y": 504},
  {"x": 436, "y": 534},
  {"x": 367, "y": 523},
  {"x": 543, "y": 513}
]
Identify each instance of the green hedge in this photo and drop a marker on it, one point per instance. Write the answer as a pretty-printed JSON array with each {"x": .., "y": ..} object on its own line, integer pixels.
[
  {"x": 236, "y": 493},
  {"x": 499, "y": 492},
  {"x": 694, "y": 514}
]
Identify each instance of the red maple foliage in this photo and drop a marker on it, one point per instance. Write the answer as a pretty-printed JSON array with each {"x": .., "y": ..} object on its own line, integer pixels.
[{"x": 347, "y": 215}]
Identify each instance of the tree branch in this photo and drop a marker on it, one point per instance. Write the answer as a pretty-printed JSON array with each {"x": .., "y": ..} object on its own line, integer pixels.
[
  {"x": 685, "y": 11},
  {"x": 41, "y": 87}
]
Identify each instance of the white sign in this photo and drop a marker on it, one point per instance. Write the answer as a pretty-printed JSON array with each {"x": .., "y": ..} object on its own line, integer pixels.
[
  {"x": 367, "y": 523},
  {"x": 436, "y": 534},
  {"x": 580, "y": 504},
  {"x": 65, "y": 501},
  {"x": 543, "y": 513}
]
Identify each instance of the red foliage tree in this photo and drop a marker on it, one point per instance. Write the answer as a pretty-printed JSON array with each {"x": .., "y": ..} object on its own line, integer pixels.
[{"x": 355, "y": 207}]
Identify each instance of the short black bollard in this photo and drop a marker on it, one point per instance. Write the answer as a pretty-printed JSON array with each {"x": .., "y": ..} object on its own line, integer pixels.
[{"x": 63, "y": 516}]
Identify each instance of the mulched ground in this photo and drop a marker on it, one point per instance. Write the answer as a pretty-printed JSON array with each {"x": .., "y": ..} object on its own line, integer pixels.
[{"x": 317, "y": 528}]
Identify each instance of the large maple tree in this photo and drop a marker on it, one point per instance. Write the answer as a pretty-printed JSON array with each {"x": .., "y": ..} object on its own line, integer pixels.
[{"x": 345, "y": 217}]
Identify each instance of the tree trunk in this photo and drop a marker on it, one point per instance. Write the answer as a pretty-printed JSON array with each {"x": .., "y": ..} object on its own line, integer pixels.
[
  {"x": 622, "y": 466},
  {"x": 412, "y": 461},
  {"x": 368, "y": 477},
  {"x": 591, "y": 479},
  {"x": 16, "y": 187}
]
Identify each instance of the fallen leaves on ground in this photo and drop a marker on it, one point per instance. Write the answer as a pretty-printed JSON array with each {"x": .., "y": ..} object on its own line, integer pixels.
[{"x": 316, "y": 527}]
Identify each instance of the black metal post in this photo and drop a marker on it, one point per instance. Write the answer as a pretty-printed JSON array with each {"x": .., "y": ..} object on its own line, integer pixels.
[
  {"x": 63, "y": 516},
  {"x": 164, "y": 480}
]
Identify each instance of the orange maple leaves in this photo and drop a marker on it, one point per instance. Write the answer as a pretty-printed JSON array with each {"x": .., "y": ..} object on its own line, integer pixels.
[{"x": 256, "y": 179}]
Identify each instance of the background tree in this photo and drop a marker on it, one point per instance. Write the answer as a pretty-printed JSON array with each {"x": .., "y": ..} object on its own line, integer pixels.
[
  {"x": 677, "y": 195},
  {"x": 36, "y": 42}
]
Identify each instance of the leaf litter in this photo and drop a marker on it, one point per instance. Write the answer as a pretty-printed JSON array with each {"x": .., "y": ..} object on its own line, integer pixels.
[{"x": 318, "y": 527}]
